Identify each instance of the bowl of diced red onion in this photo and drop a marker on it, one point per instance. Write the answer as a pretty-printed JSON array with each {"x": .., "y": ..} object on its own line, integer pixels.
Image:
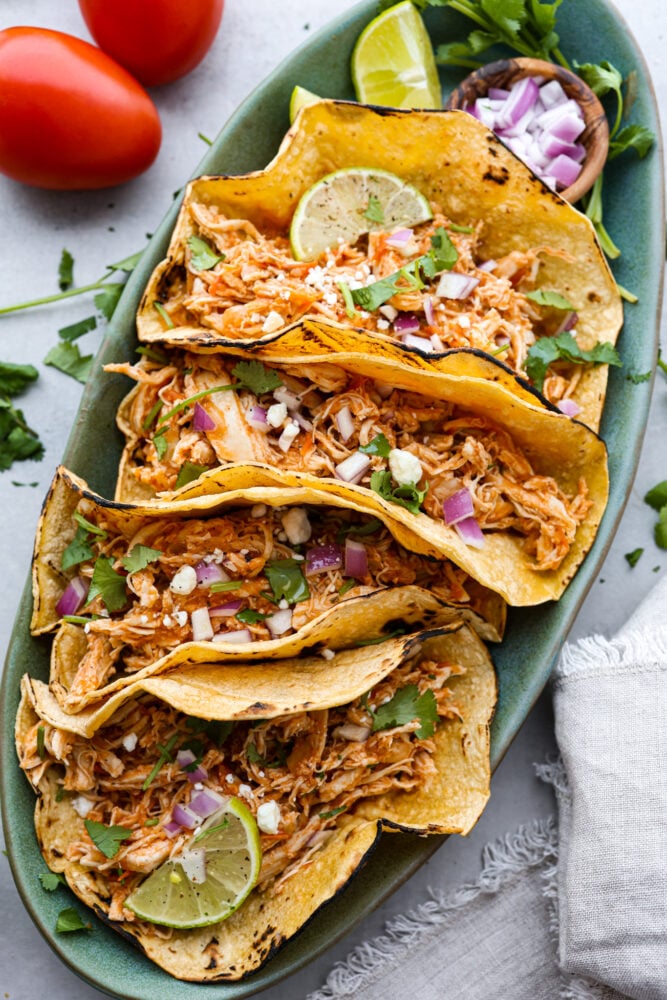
[{"x": 546, "y": 115}]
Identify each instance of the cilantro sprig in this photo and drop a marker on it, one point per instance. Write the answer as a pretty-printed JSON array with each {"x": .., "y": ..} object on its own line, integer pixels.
[
  {"x": 107, "y": 839},
  {"x": 441, "y": 257},
  {"x": 657, "y": 499},
  {"x": 251, "y": 375},
  {"x": 107, "y": 584},
  {"x": 287, "y": 581},
  {"x": 17, "y": 440},
  {"x": 139, "y": 557},
  {"x": 379, "y": 445},
  {"x": 202, "y": 256},
  {"x": 405, "y": 706},
  {"x": 405, "y": 495},
  {"x": 51, "y": 880},
  {"x": 564, "y": 347}
]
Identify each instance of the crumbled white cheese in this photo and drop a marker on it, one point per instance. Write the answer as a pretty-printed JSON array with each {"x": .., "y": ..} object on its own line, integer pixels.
[
  {"x": 330, "y": 298},
  {"x": 404, "y": 466},
  {"x": 144, "y": 619},
  {"x": 130, "y": 741},
  {"x": 328, "y": 654},
  {"x": 185, "y": 581},
  {"x": 383, "y": 324},
  {"x": 272, "y": 322},
  {"x": 245, "y": 791},
  {"x": 82, "y": 805},
  {"x": 283, "y": 604},
  {"x": 198, "y": 787},
  {"x": 86, "y": 628},
  {"x": 297, "y": 526},
  {"x": 181, "y": 617},
  {"x": 167, "y": 621},
  {"x": 258, "y": 510},
  {"x": 315, "y": 276},
  {"x": 229, "y": 778},
  {"x": 276, "y": 415},
  {"x": 268, "y": 817}
]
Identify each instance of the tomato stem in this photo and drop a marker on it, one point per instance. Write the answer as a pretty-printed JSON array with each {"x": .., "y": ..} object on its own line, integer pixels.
[{"x": 54, "y": 298}]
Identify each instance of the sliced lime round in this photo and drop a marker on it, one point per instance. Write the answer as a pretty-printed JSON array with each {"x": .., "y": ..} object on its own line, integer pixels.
[
  {"x": 227, "y": 852},
  {"x": 347, "y": 203}
]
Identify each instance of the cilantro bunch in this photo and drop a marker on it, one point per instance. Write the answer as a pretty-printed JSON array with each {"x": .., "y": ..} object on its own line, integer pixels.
[{"x": 17, "y": 440}]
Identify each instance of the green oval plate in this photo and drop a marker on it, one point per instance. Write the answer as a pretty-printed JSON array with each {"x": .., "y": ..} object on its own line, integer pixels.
[{"x": 633, "y": 214}]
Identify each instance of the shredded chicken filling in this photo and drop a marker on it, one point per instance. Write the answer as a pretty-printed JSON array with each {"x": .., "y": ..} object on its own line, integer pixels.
[{"x": 315, "y": 766}]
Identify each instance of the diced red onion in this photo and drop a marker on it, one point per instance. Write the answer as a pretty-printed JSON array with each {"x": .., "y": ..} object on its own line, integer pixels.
[
  {"x": 458, "y": 506},
  {"x": 73, "y": 596},
  {"x": 420, "y": 343},
  {"x": 240, "y": 635},
  {"x": 208, "y": 573},
  {"x": 388, "y": 312},
  {"x": 552, "y": 146},
  {"x": 521, "y": 100},
  {"x": 568, "y": 407},
  {"x": 257, "y": 419},
  {"x": 185, "y": 757},
  {"x": 353, "y": 468},
  {"x": 172, "y": 828},
  {"x": 303, "y": 423},
  {"x": 399, "y": 239},
  {"x": 345, "y": 423},
  {"x": 406, "y": 323},
  {"x": 226, "y": 610},
  {"x": 201, "y": 420},
  {"x": 552, "y": 94},
  {"x": 484, "y": 112},
  {"x": 199, "y": 774},
  {"x": 356, "y": 559},
  {"x": 193, "y": 863},
  {"x": 428, "y": 310},
  {"x": 470, "y": 532},
  {"x": 279, "y": 623},
  {"x": 437, "y": 344},
  {"x": 202, "y": 630},
  {"x": 290, "y": 432},
  {"x": 498, "y": 94},
  {"x": 323, "y": 558},
  {"x": 183, "y": 815},
  {"x": 569, "y": 322},
  {"x": 286, "y": 396},
  {"x": 564, "y": 170},
  {"x": 353, "y": 733},
  {"x": 205, "y": 803},
  {"x": 453, "y": 285},
  {"x": 488, "y": 265}
]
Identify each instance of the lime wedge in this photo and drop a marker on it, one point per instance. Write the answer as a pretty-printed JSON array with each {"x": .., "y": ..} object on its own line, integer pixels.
[
  {"x": 349, "y": 202},
  {"x": 299, "y": 99},
  {"x": 393, "y": 62},
  {"x": 232, "y": 857}
]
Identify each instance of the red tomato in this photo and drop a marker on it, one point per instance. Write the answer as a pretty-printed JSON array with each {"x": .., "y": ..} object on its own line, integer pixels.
[
  {"x": 70, "y": 117},
  {"x": 157, "y": 40}
]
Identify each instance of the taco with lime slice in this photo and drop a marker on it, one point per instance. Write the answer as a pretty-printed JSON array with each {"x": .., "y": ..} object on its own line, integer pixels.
[
  {"x": 511, "y": 491},
  {"x": 323, "y": 757},
  {"x": 139, "y": 590},
  {"x": 429, "y": 233}
]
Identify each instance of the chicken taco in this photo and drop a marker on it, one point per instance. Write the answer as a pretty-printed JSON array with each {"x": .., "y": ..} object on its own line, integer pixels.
[
  {"x": 401, "y": 743},
  {"x": 510, "y": 491},
  {"x": 495, "y": 261},
  {"x": 137, "y": 591}
]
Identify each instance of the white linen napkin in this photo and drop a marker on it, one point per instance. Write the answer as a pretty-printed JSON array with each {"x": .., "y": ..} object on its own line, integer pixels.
[{"x": 574, "y": 914}]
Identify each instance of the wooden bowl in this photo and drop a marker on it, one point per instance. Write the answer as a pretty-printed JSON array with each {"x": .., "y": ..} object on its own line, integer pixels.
[{"x": 505, "y": 72}]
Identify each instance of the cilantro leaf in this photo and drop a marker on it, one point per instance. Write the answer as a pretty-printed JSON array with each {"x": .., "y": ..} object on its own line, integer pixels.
[
  {"x": 564, "y": 347},
  {"x": 77, "y": 551},
  {"x": 332, "y": 812},
  {"x": 374, "y": 212},
  {"x": 51, "y": 880},
  {"x": 600, "y": 77},
  {"x": 253, "y": 755},
  {"x": 139, "y": 557},
  {"x": 107, "y": 299},
  {"x": 107, "y": 839},
  {"x": 91, "y": 528},
  {"x": 371, "y": 297},
  {"x": 358, "y": 529},
  {"x": 202, "y": 256},
  {"x": 441, "y": 257},
  {"x": 108, "y": 585},
  {"x": 189, "y": 472},
  {"x": 250, "y": 616},
  {"x": 443, "y": 251},
  {"x": 525, "y": 25},
  {"x": 347, "y": 299},
  {"x": 377, "y": 446},
  {"x": 544, "y": 297},
  {"x": 224, "y": 587},
  {"x": 216, "y": 731},
  {"x": 636, "y": 137},
  {"x": 14, "y": 379},
  {"x": 406, "y": 495},
  {"x": 637, "y": 377},
  {"x": 376, "y": 640},
  {"x": 634, "y": 556},
  {"x": 256, "y": 377},
  {"x": 67, "y": 358},
  {"x": 127, "y": 264},
  {"x": 164, "y": 315},
  {"x": 17, "y": 440},
  {"x": 77, "y": 330},
  {"x": 406, "y": 705},
  {"x": 657, "y": 497},
  {"x": 69, "y": 920},
  {"x": 161, "y": 445},
  {"x": 165, "y": 756},
  {"x": 41, "y": 750},
  {"x": 287, "y": 581},
  {"x": 65, "y": 270},
  {"x": 660, "y": 531}
]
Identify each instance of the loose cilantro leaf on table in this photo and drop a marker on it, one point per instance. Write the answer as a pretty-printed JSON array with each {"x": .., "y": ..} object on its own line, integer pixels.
[
  {"x": 107, "y": 300},
  {"x": 69, "y": 920},
  {"x": 564, "y": 347},
  {"x": 17, "y": 441},
  {"x": 634, "y": 557},
  {"x": 202, "y": 256},
  {"x": 51, "y": 880},
  {"x": 106, "y": 839},
  {"x": 77, "y": 330},
  {"x": 287, "y": 581},
  {"x": 374, "y": 212},
  {"x": 637, "y": 377},
  {"x": 65, "y": 270},
  {"x": 406, "y": 705},
  {"x": 406, "y": 495},
  {"x": 140, "y": 557},
  {"x": 657, "y": 496},
  {"x": 660, "y": 530},
  {"x": 377, "y": 446},
  {"x": 67, "y": 358},
  {"x": 545, "y": 297},
  {"x": 107, "y": 584},
  {"x": 14, "y": 379}
]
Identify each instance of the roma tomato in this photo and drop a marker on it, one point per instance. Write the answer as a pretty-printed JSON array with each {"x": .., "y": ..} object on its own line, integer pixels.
[
  {"x": 70, "y": 117},
  {"x": 157, "y": 40}
]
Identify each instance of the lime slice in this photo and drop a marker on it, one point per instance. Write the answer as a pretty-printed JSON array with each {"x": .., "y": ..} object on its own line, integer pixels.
[
  {"x": 393, "y": 62},
  {"x": 232, "y": 852},
  {"x": 299, "y": 99},
  {"x": 349, "y": 202}
]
